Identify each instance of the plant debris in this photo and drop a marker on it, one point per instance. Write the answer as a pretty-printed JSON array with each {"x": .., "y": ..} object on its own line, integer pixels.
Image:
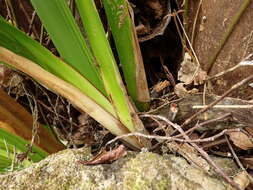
[{"x": 106, "y": 157}]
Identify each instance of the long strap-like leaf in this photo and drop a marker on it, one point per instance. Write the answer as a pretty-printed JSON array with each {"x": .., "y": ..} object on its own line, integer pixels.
[
  {"x": 70, "y": 92},
  {"x": 16, "y": 41},
  {"x": 67, "y": 37},
  {"x": 126, "y": 41},
  {"x": 107, "y": 64},
  {"x": 10, "y": 141}
]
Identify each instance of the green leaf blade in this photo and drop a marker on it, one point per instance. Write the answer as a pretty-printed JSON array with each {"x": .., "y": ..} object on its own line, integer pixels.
[
  {"x": 128, "y": 49},
  {"x": 10, "y": 146},
  {"x": 21, "y": 145},
  {"x": 72, "y": 93},
  {"x": 105, "y": 59},
  {"x": 16, "y": 41},
  {"x": 67, "y": 37}
]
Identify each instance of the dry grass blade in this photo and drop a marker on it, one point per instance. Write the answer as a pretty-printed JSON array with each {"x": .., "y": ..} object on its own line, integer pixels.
[{"x": 70, "y": 92}]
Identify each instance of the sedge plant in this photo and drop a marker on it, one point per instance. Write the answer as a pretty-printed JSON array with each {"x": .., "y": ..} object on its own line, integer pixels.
[
  {"x": 86, "y": 72},
  {"x": 18, "y": 136}
]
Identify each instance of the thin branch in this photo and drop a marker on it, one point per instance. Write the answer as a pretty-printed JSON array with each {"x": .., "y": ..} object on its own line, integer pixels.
[
  {"x": 203, "y": 153},
  {"x": 204, "y": 123},
  {"x": 186, "y": 17},
  {"x": 191, "y": 48},
  {"x": 234, "y": 154},
  {"x": 244, "y": 62},
  {"x": 237, "y": 159},
  {"x": 157, "y": 137},
  {"x": 225, "y": 106},
  {"x": 187, "y": 38},
  {"x": 200, "y": 150},
  {"x": 31, "y": 27},
  {"x": 195, "y": 22},
  {"x": 11, "y": 13},
  {"x": 237, "y": 85}
]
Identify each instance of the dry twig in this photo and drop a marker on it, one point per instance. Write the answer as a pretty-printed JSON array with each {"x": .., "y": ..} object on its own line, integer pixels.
[
  {"x": 198, "y": 125},
  {"x": 203, "y": 153},
  {"x": 187, "y": 139},
  {"x": 195, "y": 22},
  {"x": 237, "y": 159},
  {"x": 237, "y": 85}
]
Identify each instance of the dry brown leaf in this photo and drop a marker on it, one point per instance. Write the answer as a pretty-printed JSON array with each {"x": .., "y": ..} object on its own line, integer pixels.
[
  {"x": 157, "y": 7},
  {"x": 242, "y": 179},
  {"x": 182, "y": 92},
  {"x": 107, "y": 157},
  {"x": 161, "y": 86},
  {"x": 200, "y": 77},
  {"x": 241, "y": 140},
  {"x": 190, "y": 72},
  {"x": 250, "y": 130}
]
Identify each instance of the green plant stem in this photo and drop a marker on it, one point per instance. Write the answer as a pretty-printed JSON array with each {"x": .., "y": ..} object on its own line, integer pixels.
[{"x": 109, "y": 70}]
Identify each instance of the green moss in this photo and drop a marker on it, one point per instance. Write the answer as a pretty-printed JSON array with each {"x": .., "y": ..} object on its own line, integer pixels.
[
  {"x": 136, "y": 171},
  {"x": 147, "y": 171}
]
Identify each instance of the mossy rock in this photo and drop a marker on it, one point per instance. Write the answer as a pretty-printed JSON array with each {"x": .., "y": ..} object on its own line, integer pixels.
[{"x": 136, "y": 171}]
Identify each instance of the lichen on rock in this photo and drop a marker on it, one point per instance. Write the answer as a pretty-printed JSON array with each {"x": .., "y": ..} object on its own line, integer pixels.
[{"x": 136, "y": 171}]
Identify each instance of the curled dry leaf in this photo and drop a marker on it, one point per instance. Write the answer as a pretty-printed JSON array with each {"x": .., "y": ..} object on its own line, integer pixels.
[
  {"x": 107, "y": 157},
  {"x": 200, "y": 77},
  {"x": 190, "y": 72},
  {"x": 241, "y": 140},
  {"x": 182, "y": 92},
  {"x": 162, "y": 13}
]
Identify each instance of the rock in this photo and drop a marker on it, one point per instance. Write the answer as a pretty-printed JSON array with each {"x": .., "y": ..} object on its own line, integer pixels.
[{"x": 142, "y": 171}]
